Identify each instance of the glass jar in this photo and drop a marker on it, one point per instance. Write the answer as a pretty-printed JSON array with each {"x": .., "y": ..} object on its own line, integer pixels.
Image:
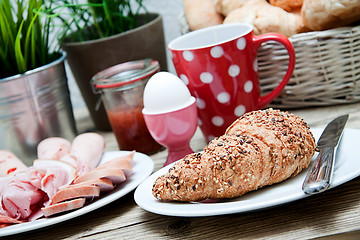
[{"x": 121, "y": 88}]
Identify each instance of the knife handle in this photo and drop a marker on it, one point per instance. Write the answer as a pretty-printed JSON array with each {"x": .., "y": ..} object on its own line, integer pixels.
[{"x": 319, "y": 175}]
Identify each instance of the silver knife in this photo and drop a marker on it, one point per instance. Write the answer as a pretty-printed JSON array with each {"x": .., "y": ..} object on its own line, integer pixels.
[{"x": 319, "y": 175}]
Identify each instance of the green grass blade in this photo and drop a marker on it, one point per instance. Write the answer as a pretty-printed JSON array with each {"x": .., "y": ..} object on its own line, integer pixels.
[{"x": 19, "y": 57}]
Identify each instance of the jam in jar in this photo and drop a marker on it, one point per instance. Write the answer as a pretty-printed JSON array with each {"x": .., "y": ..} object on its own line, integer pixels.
[{"x": 122, "y": 87}]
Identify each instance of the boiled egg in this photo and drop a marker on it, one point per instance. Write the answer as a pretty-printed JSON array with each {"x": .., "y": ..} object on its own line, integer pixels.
[{"x": 165, "y": 92}]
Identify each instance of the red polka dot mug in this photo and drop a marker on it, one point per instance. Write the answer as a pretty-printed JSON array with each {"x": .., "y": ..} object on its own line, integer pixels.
[{"x": 219, "y": 66}]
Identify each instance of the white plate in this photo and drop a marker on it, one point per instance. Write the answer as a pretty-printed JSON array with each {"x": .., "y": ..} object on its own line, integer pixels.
[
  {"x": 142, "y": 168},
  {"x": 347, "y": 167}
]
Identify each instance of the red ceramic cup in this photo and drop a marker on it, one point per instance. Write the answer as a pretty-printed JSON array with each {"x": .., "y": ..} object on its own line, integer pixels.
[{"x": 219, "y": 66}]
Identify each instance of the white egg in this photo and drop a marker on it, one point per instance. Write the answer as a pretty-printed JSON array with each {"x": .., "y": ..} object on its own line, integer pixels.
[{"x": 165, "y": 92}]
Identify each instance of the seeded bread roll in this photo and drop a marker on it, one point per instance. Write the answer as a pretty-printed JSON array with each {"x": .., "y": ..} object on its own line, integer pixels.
[
  {"x": 295, "y": 138},
  {"x": 260, "y": 148}
]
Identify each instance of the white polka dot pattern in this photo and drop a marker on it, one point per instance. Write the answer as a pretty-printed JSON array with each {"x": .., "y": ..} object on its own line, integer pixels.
[
  {"x": 228, "y": 81},
  {"x": 248, "y": 87},
  {"x": 241, "y": 43},
  {"x": 223, "y": 97},
  {"x": 239, "y": 110},
  {"x": 188, "y": 56},
  {"x": 234, "y": 70},
  {"x": 206, "y": 77},
  {"x": 200, "y": 103},
  {"x": 255, "y": 65},
  {"x": 217, "y": 52},
  {"x": 217, "y": 121},
  {"x": 184, "y": 78}
]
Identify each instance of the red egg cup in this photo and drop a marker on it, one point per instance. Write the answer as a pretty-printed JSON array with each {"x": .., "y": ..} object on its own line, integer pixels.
[{"x": 174, "y": 130}]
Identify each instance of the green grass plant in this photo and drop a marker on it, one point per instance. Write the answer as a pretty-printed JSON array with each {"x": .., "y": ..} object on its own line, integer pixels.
[
  {"x": 24, "y": 36},
  {"x": 94, "y": 19},
  {"x": 26, "y": 25}
]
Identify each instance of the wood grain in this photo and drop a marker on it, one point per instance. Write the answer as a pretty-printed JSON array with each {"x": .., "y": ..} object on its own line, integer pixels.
[{"x": 334, "y": 214}]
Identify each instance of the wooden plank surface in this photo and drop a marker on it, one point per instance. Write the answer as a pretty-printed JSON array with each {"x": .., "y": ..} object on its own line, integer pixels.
[{"x": 331, "y": 213}]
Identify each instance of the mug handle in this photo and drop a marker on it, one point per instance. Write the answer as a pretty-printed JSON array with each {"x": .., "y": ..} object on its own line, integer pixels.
[{"x": 257, "y": 40}]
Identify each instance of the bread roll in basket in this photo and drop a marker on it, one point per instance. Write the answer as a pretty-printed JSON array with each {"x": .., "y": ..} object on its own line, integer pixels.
[{"x": 326, "y": 43}]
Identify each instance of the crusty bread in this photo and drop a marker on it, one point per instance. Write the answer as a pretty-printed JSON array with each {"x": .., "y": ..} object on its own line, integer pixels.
[
  {"x": 201, "y": 13},
  {"x": 288, "y": 17},
  {"x": 224, "y": 7},
  {"x": 266, "y": 18},
  {"x": 260, "y": 148},
  {"x": 287, "y": 5},
  {"x": 325, "y": 14}
]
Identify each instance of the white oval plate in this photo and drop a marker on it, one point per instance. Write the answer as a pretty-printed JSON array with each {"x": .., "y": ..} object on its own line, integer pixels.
[
  {"x": 142, "y": 168},
  {"x": 347, "y": 167}
]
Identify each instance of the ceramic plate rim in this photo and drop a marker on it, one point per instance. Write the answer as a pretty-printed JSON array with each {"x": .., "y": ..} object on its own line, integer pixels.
[
  {"x": 142, "y": 168},
  {"x": 143, "y": 191}
]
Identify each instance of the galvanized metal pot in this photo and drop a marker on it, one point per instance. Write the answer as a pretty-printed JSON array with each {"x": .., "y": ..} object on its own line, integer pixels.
[{"x": 33, "y": 106}]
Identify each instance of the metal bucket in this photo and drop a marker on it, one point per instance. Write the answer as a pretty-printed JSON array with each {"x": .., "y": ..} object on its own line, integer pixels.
[{"x": 33, "y": 106}]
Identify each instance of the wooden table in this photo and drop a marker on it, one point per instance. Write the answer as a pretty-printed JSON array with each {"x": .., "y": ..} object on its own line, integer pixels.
[{"x": 334, "y": 214}]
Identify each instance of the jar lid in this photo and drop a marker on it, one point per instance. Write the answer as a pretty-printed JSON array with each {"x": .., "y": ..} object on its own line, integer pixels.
[{"x": 125, "y": 73}]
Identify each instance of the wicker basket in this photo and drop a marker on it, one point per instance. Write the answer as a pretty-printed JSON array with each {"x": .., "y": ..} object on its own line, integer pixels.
[{"x": 327, "y": 69}]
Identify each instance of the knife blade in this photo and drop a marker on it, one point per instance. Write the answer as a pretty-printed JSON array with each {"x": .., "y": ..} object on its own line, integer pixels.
[{"x": 319, "y": 175}]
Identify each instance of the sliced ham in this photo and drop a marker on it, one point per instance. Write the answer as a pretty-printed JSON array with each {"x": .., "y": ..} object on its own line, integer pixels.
[
  {"x": 53, "y": 148},
  {"x": 124, "y": 163},
  {"x": 105, "y": 184},
  {"x": 3, "y": 184},
  {"x": 74, "y": 191},
  {"x": 115, "y": 175},
  {"x": 6, "y": 221},
  {"x": 50, "y": 175},
  {"x": 86, "y": 152},
  {"x": 63, "y": 177},
  {"x": 19, "y": 197},
  {"x": 10, "y": 164},
  {"x": 37, "y": 213},
  {"x": 22, "y": 194},
  {"x": 63, "y": 207}
]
